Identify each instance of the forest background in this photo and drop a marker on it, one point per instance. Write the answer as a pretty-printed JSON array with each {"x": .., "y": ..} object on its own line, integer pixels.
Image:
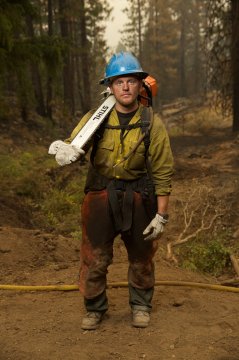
[
  {"x": 52, "y": 56},
  {"x": 53, "y": 53}
]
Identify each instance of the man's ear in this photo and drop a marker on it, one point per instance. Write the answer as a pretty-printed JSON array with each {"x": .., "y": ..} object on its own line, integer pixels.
[
  {"x": 111, "y": 89},
  {"x": 140, "y": 85}
]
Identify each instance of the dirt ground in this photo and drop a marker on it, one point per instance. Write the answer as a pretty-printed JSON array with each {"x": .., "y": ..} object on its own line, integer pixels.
[{"x": 186, "y": 323}]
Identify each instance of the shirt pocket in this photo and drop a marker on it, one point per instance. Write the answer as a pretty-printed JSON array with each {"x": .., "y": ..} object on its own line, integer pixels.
[
  {"x": 136, "y": 161},
  {"x": 104, "y": 154}
]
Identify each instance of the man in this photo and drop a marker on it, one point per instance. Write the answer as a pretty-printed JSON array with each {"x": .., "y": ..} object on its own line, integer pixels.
[{"x": 127, "y": 193}]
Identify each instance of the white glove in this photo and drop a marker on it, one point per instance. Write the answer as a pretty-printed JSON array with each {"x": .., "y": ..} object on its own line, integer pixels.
[
  {"x": 67, "y": 154},
  {"x": 155, "y": 229},
  {"x": 55, "y": 146}
]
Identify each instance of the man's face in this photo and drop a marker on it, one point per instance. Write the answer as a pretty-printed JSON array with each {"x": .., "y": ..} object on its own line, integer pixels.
[{"x": 126, "y": 90}]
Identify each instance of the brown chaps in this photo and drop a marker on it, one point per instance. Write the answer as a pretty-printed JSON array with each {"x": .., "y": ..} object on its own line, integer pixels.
[{"x": 98, "y": 234}]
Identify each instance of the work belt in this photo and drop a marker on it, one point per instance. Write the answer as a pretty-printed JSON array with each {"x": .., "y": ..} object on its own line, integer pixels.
[{"x": 120, "y": 195}]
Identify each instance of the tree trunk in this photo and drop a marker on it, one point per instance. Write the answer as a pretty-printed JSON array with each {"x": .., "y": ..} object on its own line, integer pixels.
[
  {"x": 139, "y": 30},
  {"x": 85, "y": 72},
  {"x": 196, "y": 55},
  {"x": 35, "y": 74},
  {"x": 182, "y": 76},
  {"x": 49, "y": 92},
  {"x": 68, "y": 79},
  {"x": 235, "y": 63}
]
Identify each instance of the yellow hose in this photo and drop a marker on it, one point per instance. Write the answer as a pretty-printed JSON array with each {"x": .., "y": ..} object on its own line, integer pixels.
[{"x": 117, "y": 285}]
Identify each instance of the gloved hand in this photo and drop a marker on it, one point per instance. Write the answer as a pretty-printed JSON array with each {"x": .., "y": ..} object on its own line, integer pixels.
[
  {"x": 67, "y": 154},
  {"x": 55, "y": 146},
  {"x": 155, "y": 229}
]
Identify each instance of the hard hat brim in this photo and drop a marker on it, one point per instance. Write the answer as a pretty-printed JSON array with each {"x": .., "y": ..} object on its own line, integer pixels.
[{"x": 106, "y": 81}]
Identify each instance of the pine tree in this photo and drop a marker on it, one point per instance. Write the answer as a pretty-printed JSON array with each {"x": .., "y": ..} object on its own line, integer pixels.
[
  {"x": 223, "y": 58},
  {"x": 133, "y": 32},
  {"x": 52, "y": 50},
  {"x": 160, "y": 48}
]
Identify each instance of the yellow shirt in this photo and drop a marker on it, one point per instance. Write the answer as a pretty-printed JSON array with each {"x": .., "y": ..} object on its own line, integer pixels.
[{"x": 110, "y": 151}]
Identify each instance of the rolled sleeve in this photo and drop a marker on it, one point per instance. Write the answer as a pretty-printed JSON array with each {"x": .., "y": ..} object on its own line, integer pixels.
[{"x": 161, "y": 158}]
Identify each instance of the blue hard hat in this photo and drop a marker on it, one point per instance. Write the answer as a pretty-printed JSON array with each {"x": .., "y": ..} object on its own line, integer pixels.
[{"x": 120, "y": 64}]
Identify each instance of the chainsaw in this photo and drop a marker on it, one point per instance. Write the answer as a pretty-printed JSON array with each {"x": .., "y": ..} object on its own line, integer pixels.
[{"x": 94, "y": 122}]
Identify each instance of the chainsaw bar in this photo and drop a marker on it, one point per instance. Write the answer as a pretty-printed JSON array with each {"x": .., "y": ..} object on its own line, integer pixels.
[{"x": 94, "y": 122}]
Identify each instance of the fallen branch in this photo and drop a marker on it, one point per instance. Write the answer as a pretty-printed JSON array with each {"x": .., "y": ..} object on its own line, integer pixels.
[
  {"x": 231, "y": 282},
  {"x": 188, "y": 219}
]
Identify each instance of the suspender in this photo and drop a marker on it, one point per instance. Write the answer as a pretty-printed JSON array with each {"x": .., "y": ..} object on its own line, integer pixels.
[{"x": 145, "y": 123}]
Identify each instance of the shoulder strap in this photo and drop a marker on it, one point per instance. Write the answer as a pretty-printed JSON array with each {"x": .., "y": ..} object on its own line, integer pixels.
[
  {"x": 146, "y": 126},
  {"x": 124, "y": 127}
]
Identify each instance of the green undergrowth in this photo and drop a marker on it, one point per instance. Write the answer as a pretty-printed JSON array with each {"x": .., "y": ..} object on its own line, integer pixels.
[
  {"x": 207, "y": 254},
  {"x": 50, "y": 195}
]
